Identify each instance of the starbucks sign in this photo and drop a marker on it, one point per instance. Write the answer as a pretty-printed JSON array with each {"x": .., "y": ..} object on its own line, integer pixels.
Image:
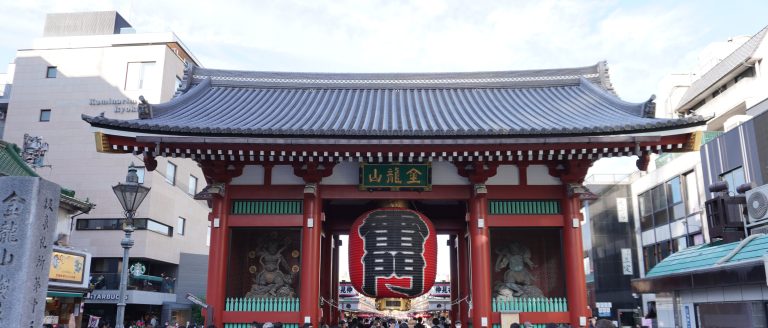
[{"x": 137, "y": 269}]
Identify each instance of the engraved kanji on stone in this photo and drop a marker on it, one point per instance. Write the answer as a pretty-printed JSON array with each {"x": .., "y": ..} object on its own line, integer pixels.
[
  {"x": 5, "y": 285},
  {"x": 43, "y": 242},
  {"x": 6, "y": 258},
  {"x": 34, "y": 305},
  {"x": 12, "y": 206},
  {"x": 40, "y": 262},
  {"x": 48, "y": 204},
  {"x": 8, "y": 232},
  {"x": 36, "y": 285},
  {"x": 45, "y": 222}
]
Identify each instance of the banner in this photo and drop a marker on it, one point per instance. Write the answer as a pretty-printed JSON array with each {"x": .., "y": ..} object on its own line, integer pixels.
[{"x": 93, "y": 321}]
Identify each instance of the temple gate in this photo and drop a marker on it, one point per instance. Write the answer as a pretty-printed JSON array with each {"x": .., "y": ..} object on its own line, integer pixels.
[{"x": 493, "y": 159}]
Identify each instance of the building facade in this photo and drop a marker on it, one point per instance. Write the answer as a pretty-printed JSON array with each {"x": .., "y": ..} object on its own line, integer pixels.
[
  {"x": 672, "y": 208},
  {"x": 95, "y": 64},
  {"x": 610, "y": 258}
]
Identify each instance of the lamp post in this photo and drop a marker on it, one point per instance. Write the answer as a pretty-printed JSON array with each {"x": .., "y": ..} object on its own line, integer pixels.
[{"x": 130, "y": 194}]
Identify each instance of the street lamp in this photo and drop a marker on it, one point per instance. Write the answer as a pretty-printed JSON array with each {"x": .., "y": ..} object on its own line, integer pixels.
[{"x": 130, "y": 194}]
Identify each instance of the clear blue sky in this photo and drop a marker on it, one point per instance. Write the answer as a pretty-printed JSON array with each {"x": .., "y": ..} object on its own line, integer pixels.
[{"x": 642, "y": 40}]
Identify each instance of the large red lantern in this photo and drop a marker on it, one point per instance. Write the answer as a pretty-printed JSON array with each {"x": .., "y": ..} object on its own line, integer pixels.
[{"x": 392, "y": 253}]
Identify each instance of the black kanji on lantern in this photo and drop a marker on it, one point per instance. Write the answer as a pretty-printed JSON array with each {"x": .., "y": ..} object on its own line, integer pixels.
[{"x": 394, "y": 247}]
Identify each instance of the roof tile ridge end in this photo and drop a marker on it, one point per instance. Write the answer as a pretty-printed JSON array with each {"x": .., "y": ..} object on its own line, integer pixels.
[{"x": 605, "y": 76}]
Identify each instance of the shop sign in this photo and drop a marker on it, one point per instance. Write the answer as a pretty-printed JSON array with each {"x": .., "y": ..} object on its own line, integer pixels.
[
  {"x": 138, "y": 269},
  {"x": 626, "y": 261},
  {"x": 396, "y": 177},
  {"x": 622, "y": 211},
  {"x": 121, "y": 105},
  {"x": 604, "y": 308},
  {"x": 66, "y": 267},
  {"x": 105, "y": 296}
]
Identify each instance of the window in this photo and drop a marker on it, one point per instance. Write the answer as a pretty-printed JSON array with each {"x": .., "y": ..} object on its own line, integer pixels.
[
  {"x": 674, "y": 192},
  {"x": 140, "y": 172},
  {"x": 117, "y": 224},
  {"x": 180, "y": 225},
  {"x": 735, "y": 178},
  {"x": 646, "y": 211},
  {"x": 192, "y": 187},
  {"x": 170, "y": 173},
  {"x": 45, "y": 115},
  {"x": 50, "y": 73},
  {"x": 691, "y": 192},
  {"x": 660, "y": 214},
  {"x": 139, "y": 75}
]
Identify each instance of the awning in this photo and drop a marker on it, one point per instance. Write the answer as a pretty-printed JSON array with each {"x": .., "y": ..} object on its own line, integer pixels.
[
  {"x": 149, "y": 278},
  {"x": 63, "y": 294},
  {"x": 709, "y": 265}
]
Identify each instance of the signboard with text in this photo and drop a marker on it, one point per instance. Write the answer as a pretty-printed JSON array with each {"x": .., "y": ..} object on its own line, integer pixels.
[
  {"x": 69, "y": 268},
  {"x": 396, "y": 177}
]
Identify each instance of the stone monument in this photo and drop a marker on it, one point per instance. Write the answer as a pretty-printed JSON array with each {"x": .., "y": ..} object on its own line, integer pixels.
[{"x": 28, "y": 208}]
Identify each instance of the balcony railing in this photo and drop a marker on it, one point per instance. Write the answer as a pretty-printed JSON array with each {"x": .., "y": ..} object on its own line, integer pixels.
[
  {"x": 101, "y": 281},
  {"x": 268, "y": 304},
  {"x": 555, "y": 304}
]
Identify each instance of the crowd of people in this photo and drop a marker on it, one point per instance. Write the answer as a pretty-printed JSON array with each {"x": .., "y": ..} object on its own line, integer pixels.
[{"x": 440, "y": 322}]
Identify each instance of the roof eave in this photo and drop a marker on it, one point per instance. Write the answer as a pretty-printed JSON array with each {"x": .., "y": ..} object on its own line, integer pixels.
[{"x": 686, "y": 107}]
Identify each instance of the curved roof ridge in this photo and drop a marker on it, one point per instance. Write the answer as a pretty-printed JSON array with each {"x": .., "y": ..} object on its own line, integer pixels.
[
  {"x": 479, "y": 79},
  {"x": 181, "y": 98},
  {"x": 629, "y": 107}
]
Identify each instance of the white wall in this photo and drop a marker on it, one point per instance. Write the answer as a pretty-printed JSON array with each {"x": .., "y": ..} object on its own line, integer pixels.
[{"x": 99, "y": 72}]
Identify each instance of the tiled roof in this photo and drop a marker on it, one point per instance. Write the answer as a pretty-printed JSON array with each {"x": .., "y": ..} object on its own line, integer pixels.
[
  {"x": 11, "y": 164},
  {"x": 556, "y": 102},
  {"x": 721, "y": 69},
  {"x": 704, "y": 257}
]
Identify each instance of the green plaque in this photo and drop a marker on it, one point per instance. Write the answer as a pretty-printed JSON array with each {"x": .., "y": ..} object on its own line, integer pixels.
[{"x": 396, "y": 177}]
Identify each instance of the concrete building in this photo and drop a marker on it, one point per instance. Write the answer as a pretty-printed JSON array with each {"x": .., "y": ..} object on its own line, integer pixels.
[
  {"x": 95, "y": 64},
  {"x": 610, "y": 258},
  {"x": 669, "y": 201}
]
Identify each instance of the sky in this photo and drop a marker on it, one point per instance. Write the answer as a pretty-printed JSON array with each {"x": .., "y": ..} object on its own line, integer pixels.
[{"x": 642, "y": 40}]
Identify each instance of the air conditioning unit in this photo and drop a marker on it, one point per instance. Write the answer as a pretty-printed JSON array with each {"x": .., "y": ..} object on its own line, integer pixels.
[
  {"x": 761, "y": 229},
  {"x": 757, "y": 203}
]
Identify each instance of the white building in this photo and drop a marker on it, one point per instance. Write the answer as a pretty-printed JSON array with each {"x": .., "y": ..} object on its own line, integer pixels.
[
  {"x": 669, "y": 200},
  {"x": 95, "y": 64}
]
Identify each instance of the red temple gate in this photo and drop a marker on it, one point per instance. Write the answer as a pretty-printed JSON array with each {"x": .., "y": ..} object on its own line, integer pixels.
[{"x": 284, "y": 155}]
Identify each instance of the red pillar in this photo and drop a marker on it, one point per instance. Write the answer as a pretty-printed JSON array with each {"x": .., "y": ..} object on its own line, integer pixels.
[
  {"x": 325, "y": 275},
  {"x": 463, "y": 306},
  {"x": 575, "y": 280},
  {"x": 309, "y": 295},
  {"x": 211, "y": 293},
  {"x": 452, "y": 246},
  {"x": 217, "y": 259},
  {"x": 335, "y": 280},
  {"x": 481, "y": 259}
]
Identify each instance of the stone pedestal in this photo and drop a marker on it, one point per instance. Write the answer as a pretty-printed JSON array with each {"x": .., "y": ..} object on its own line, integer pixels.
[{"x": 28, "y": 208}]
